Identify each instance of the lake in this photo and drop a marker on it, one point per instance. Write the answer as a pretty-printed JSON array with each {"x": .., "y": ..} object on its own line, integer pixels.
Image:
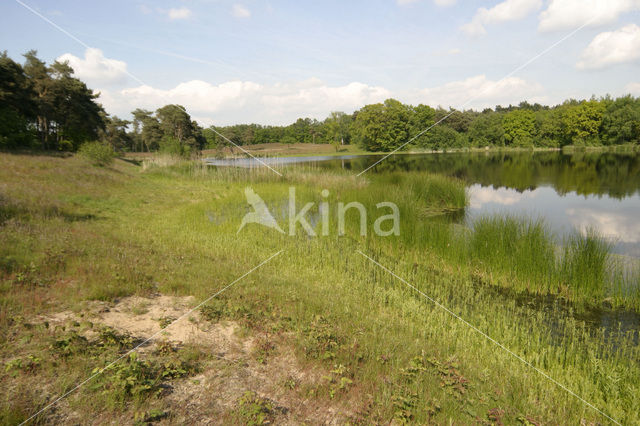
[{"x": 570, "y": 192}]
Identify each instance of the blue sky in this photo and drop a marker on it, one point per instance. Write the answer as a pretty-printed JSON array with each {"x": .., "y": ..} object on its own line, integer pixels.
[{"x": 271, "y": 62}]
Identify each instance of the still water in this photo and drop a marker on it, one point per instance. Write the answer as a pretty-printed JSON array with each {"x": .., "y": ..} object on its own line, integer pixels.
[{"x": 569, "y": 191}]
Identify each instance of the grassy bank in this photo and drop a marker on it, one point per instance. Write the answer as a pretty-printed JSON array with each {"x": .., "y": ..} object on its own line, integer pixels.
[{"x": 72, "y": 233}]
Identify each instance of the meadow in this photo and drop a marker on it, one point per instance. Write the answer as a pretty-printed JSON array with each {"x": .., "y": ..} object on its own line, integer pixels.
[{"x": 73, "y": 234}]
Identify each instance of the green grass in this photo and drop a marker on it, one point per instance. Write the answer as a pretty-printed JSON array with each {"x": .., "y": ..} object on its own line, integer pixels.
[
  {"x": 72, "y": 233},
  {"x": 520, "y": 248}
]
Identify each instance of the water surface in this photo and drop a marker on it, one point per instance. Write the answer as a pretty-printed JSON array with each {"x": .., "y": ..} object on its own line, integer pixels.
[{"x": 569, "y": 191}]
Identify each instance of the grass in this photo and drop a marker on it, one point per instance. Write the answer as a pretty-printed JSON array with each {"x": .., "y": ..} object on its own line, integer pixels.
[{"x": 72, "y": 233}]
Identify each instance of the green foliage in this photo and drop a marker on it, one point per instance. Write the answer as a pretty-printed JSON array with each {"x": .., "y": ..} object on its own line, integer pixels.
[
  {"x": 382, "y": 127},
  {"x": 486, "y": 130},
  {"x": 321, "y": 339},
  {"x": 582, "y": 122},
  {"x": 621, "y": 121},
  {"x": 98, "y": 153},
  {"x": 519, "y": 127},
  {"x": 442, "y": 138},
  {"x": 254, "y": 410},
  {"x": 47, "y": 102},
  {"x": 65, "y": 145}
]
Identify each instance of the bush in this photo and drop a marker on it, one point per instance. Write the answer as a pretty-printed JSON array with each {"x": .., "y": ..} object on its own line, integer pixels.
[
  {"x": 97, "y": 153},
  {"x": 172, "y": 146},
  {"x": 65, "y": 145}
]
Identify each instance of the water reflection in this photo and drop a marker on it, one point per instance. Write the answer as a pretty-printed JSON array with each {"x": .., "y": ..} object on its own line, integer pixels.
[
  {"x": 480, "y": 196},
  {"x": 616, "y": 219},
  {"x": 569, "y": 191}
]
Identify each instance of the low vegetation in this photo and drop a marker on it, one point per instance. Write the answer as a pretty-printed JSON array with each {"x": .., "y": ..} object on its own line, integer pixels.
[
  {"x": 97, "y": 153},
  {"x": 73, "y": 234}
]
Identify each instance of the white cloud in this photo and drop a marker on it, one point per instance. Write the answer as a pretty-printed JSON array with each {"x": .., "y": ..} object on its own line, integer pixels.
[
  {"x": 633, "y": 88},
  {"x": 612, "y": 47},
  {"x": 508, "y": 10},
  {"x": 96, "y": 70},
  {"x": 484, "y": 93},
  {"x": 240, "y": 11},
  {"x": 569, "y": 14},
  {"x": 181, "y": 13},
  {"x": 454, "y": 51},
  {"x": 244, "y": 101}
]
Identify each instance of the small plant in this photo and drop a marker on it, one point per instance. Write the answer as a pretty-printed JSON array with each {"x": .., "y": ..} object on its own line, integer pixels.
[
  {"x": 453, "y": 382},
  {"x": 252, "y": 409},
  {"x": 27, "y": 365},
  {"x": 70, "y": 344},
  {"x": 290, "y": 383},
  {"x": 404, "y": 406},
  {"x": 166, "y": 321},
  {"x": 97, "y": 153},
  {"x": 130, "y": 378},
  {"x": 214, "y": 310},
  {"x": 339, "y": 380},
  {"x": 263, "y": 349},
  {"x": 150, "y": 416},
  {"x": 321, "y": 341},
  {"x": 110, "y": 337}
]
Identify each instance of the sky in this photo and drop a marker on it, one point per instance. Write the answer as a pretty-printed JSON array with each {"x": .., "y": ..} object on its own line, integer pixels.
[{"x": 270, "y": 62}]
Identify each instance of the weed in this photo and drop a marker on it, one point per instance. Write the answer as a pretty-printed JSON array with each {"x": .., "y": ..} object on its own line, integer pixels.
[
  {"x": 252, "y": 409},
  {"x": 150, "y": 416},
  {"x": 166, "y": 321},
  {"x": 27, "y": 365},
  {"x": 99, "y": 154},
  {"x": 321, "y": 340}
]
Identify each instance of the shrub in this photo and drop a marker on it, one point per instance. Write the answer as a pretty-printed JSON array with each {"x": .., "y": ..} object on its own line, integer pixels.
[
  {"x": 172, "y": 146},
  {"x": 97, "y": 153},
  {"x": 65, "y": 145}
]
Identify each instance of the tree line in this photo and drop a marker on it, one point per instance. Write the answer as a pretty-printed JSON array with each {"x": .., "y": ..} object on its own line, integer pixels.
[{"x": 43, "y": 106}]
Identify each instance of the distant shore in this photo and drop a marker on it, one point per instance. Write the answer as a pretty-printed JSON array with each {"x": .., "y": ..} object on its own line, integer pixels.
[{"x": 311, "y": 150}]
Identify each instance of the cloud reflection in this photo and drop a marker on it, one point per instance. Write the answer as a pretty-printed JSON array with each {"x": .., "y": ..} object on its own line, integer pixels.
[
  {"x": 478, "y": 196},
  {"x": 619, "y": 225}
]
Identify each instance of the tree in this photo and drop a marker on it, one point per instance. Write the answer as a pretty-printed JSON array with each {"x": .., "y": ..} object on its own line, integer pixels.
[
  {"x": 16, "y": 104},
  {"x": 337, "y": 128},
  {"x": 382, "y": 127},
  {"x": 550, "y": 129},
  {"x": 422, "y": 117},
  {"x": 519, "y": 127},
  {"x": 64, "y": 107},
  {"x": 621, "y": 121},
  {"x": 441, "y": 137},
  {"x": 487, "y": 130},
  {"x": 582, "y": 122},
  {"x": 175, "y": 122},
  {"x": 146, "y": 129},
  {"x": 75, "y": 114},
  {"x": 38, "y": 74},
  {"x": 115, "y": 134}
]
